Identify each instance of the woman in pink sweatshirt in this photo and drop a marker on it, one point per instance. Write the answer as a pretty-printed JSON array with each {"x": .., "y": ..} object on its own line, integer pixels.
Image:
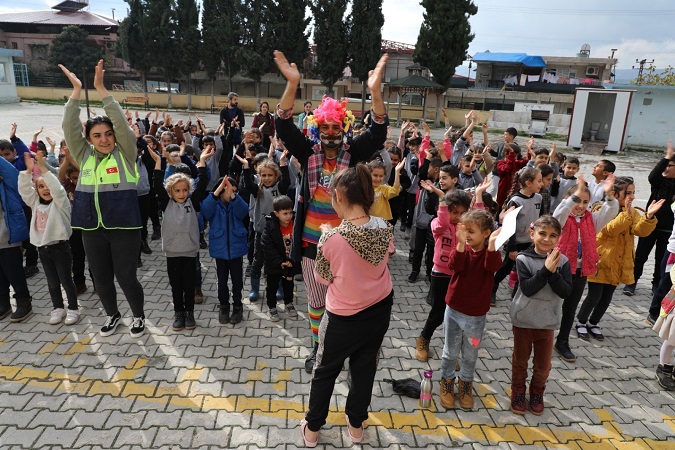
[{"x": 352, "y": 260}]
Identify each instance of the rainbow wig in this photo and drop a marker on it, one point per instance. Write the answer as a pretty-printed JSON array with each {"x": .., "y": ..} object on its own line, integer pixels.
[{"x": 330, "y": 109}]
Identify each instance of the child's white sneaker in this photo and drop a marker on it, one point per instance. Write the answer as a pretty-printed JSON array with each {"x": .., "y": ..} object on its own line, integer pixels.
[
  {"x": 56, "y": 316},
  {"x": 72, "y": 316}
]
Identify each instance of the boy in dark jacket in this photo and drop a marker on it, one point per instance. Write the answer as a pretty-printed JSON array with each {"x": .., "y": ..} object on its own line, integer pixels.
[{"x": 276, "y": 244}]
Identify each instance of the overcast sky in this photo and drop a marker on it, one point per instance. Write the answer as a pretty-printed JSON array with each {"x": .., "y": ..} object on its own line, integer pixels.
[{"x": 525, "y": 26}]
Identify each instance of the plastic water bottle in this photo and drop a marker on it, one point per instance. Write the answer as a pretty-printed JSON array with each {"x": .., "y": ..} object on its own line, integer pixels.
[{"x": 426, "y": 389}]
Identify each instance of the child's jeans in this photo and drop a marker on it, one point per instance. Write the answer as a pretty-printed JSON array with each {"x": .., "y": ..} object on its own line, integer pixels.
[
  {"x": 230, "y": 268},
  {"x": 463, "y": 333},
  {"x": 12, "y": 274},
  {"x": 181, "y": 271},
  {"x": 56, "y": 262},
  {"x": 524, "y": 340},
  {"x": 273, "y": 280}
]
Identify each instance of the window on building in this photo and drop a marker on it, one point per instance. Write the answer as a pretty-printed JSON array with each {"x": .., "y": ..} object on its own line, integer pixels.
[
  {"x": 15, "y": 45},
  {"x": 4, "y": 75}
]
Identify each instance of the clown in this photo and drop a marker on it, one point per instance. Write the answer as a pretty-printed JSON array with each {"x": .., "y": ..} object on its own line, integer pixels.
[{"x": 328, "y": 149}]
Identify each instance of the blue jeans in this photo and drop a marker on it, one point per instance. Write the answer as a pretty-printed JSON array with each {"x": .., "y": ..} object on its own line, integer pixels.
[{"x": 463, "y": 333}]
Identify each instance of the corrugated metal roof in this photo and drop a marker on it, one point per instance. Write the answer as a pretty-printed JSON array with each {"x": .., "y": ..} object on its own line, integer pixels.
[
  {"x": 518, "y": 58},
  {"x": 58, "y": 18}
]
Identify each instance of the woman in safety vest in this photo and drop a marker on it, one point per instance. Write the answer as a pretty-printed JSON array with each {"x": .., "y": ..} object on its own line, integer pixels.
[{"x": 105, "y": 207}]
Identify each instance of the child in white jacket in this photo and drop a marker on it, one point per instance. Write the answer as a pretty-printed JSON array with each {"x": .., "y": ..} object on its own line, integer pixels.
[{"x": 49, "y": 232}]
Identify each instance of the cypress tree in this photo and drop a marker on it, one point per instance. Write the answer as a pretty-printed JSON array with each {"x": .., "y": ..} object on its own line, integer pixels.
[
  {"x": 365, "y": 41},
  {"x": 188, "y": 39},
  {"x": 132, "y": 43},
  {"x": 444, "y": 38},
  {"x": 289, "y": 29},
  {"x": 331, "y": 39}
]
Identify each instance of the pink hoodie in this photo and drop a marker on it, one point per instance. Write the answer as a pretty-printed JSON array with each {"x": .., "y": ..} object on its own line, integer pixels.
[{"x": 444, "y": 238}]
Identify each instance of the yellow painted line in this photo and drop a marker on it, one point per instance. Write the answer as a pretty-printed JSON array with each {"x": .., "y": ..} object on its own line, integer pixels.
[
  {"x": 280, "y": 382},
  {"x": 425, "y": 422},
  {"x": 192, "y": 374},
  {"x": 48, "y": 348},
  {"x": 77, "y": 347},
  {"x": 131, "y": 369}
]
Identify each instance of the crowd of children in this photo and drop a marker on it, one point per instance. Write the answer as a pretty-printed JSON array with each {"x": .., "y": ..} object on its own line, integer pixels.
[{"x": 277, "y": 207}]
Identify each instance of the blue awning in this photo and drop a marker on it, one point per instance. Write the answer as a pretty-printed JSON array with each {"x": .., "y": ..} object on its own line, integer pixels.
[{"x": 513, "y": 58}]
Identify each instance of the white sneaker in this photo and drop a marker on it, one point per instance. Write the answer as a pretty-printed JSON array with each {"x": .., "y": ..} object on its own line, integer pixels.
[
  {"x": 56, "y": 316},
  {"x": 72, "y": 316}
]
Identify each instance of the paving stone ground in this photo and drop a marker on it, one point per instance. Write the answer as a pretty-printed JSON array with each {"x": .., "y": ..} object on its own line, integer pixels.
[{"x": 245, "y": 386}]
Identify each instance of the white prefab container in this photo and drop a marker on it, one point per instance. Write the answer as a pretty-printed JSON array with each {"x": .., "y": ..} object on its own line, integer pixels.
[{"x": 609, "y": 108}]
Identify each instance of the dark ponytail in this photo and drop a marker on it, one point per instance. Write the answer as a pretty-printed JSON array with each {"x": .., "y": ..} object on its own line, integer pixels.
[{"x": 356, "y": 185}]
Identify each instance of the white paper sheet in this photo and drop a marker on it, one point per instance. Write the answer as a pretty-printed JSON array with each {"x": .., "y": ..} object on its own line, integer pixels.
[{"x": 508, "y": 227}]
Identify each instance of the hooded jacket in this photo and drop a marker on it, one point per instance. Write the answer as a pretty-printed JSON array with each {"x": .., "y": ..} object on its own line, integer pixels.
[
  {"x": 352, "y": 261},
  {"x": 538, "y": 301}
]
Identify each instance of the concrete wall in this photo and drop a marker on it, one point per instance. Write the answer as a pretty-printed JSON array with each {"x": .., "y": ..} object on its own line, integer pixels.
[
  {"x": 248, "y": 104},
  {"x": 557, "y": 123},
  {"x": 651, "y": 125},
  {"x": 7, "y": 83}
]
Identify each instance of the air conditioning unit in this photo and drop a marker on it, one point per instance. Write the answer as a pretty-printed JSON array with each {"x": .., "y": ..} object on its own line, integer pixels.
[{"x": 592, "y": 71}]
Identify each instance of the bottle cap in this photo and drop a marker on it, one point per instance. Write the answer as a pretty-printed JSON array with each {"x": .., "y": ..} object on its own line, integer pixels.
[{"x": 428, "y": 373}]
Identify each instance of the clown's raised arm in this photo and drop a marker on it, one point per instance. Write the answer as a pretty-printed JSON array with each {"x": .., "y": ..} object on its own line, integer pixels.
[{"x": 331, "y": 125}]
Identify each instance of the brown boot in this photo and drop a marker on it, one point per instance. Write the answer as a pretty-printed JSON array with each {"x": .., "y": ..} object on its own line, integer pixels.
[
  {"x": 199, "y": 297},
  {"x": 536, "y": 401},
  {"x": 448, "y": 393},
  {"x": 465, "y": 389},
  {"x": 422, "y": 349},
  {"x": 518, "y": 401}
]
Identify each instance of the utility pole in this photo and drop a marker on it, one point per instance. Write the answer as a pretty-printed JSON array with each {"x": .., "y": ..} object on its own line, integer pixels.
[
  {"x": 113, "y": 12},
  {"x": 642, "y": 64},
  {"x": 613, "y": 68}
]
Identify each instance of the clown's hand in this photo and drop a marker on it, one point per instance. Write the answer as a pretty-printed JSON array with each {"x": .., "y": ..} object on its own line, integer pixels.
[
  {"x": 375, "y": 75},
  {"x": 288, "y": 70}
]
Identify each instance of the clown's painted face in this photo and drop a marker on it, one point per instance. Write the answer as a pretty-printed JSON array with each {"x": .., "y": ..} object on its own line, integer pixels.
[{"x": 331, "y": 134}]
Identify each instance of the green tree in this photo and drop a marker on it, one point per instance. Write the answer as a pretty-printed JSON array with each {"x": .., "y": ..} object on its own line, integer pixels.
[
  {"x": 653, "y": 77},
  {"x": 256, "y": 46},
  {"x": 188, "y": 40},
  {"x": 289, "y": 29},
  {"x": 444, "y": 38},
  {"x": 365, "y": 41},
  {"x": 212, "y": 49},
  {"x": 160, "y": 17},
  {"x": 132, "y": 42},
  {"x": 330, "y": 36},
  {"x": 70, "y": 49}
]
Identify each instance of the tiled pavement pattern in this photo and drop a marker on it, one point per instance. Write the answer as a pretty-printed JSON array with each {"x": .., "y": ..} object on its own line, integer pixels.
[{"x": 245, "y": 386}]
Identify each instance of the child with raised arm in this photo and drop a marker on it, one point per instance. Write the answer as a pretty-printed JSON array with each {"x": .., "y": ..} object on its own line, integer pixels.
[
  {"x": 545, "y": 280},
  {"x": 384, "y": 192},
  {"x": 180, "y": 239},
  {"x": 616, "y": 247},
  {"x": 49, "y": 232},
  {"x": 468, "y": 302},
  {"x": 225, "y": 211},
  {"x": 451, "y": 207},
  {"x": 578, "y": 243},
  {"x": 529, "y": 198}
]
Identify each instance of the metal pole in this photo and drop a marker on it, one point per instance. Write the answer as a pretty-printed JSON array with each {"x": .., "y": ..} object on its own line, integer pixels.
[{"x": 86, "y": 91}]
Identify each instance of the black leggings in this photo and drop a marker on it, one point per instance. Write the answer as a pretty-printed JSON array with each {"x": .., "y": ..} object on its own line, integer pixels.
[
  {"x": 439, "y": 288},
  {"x": 569, "y": 306},
  {"x": 596, "y": 302}
]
